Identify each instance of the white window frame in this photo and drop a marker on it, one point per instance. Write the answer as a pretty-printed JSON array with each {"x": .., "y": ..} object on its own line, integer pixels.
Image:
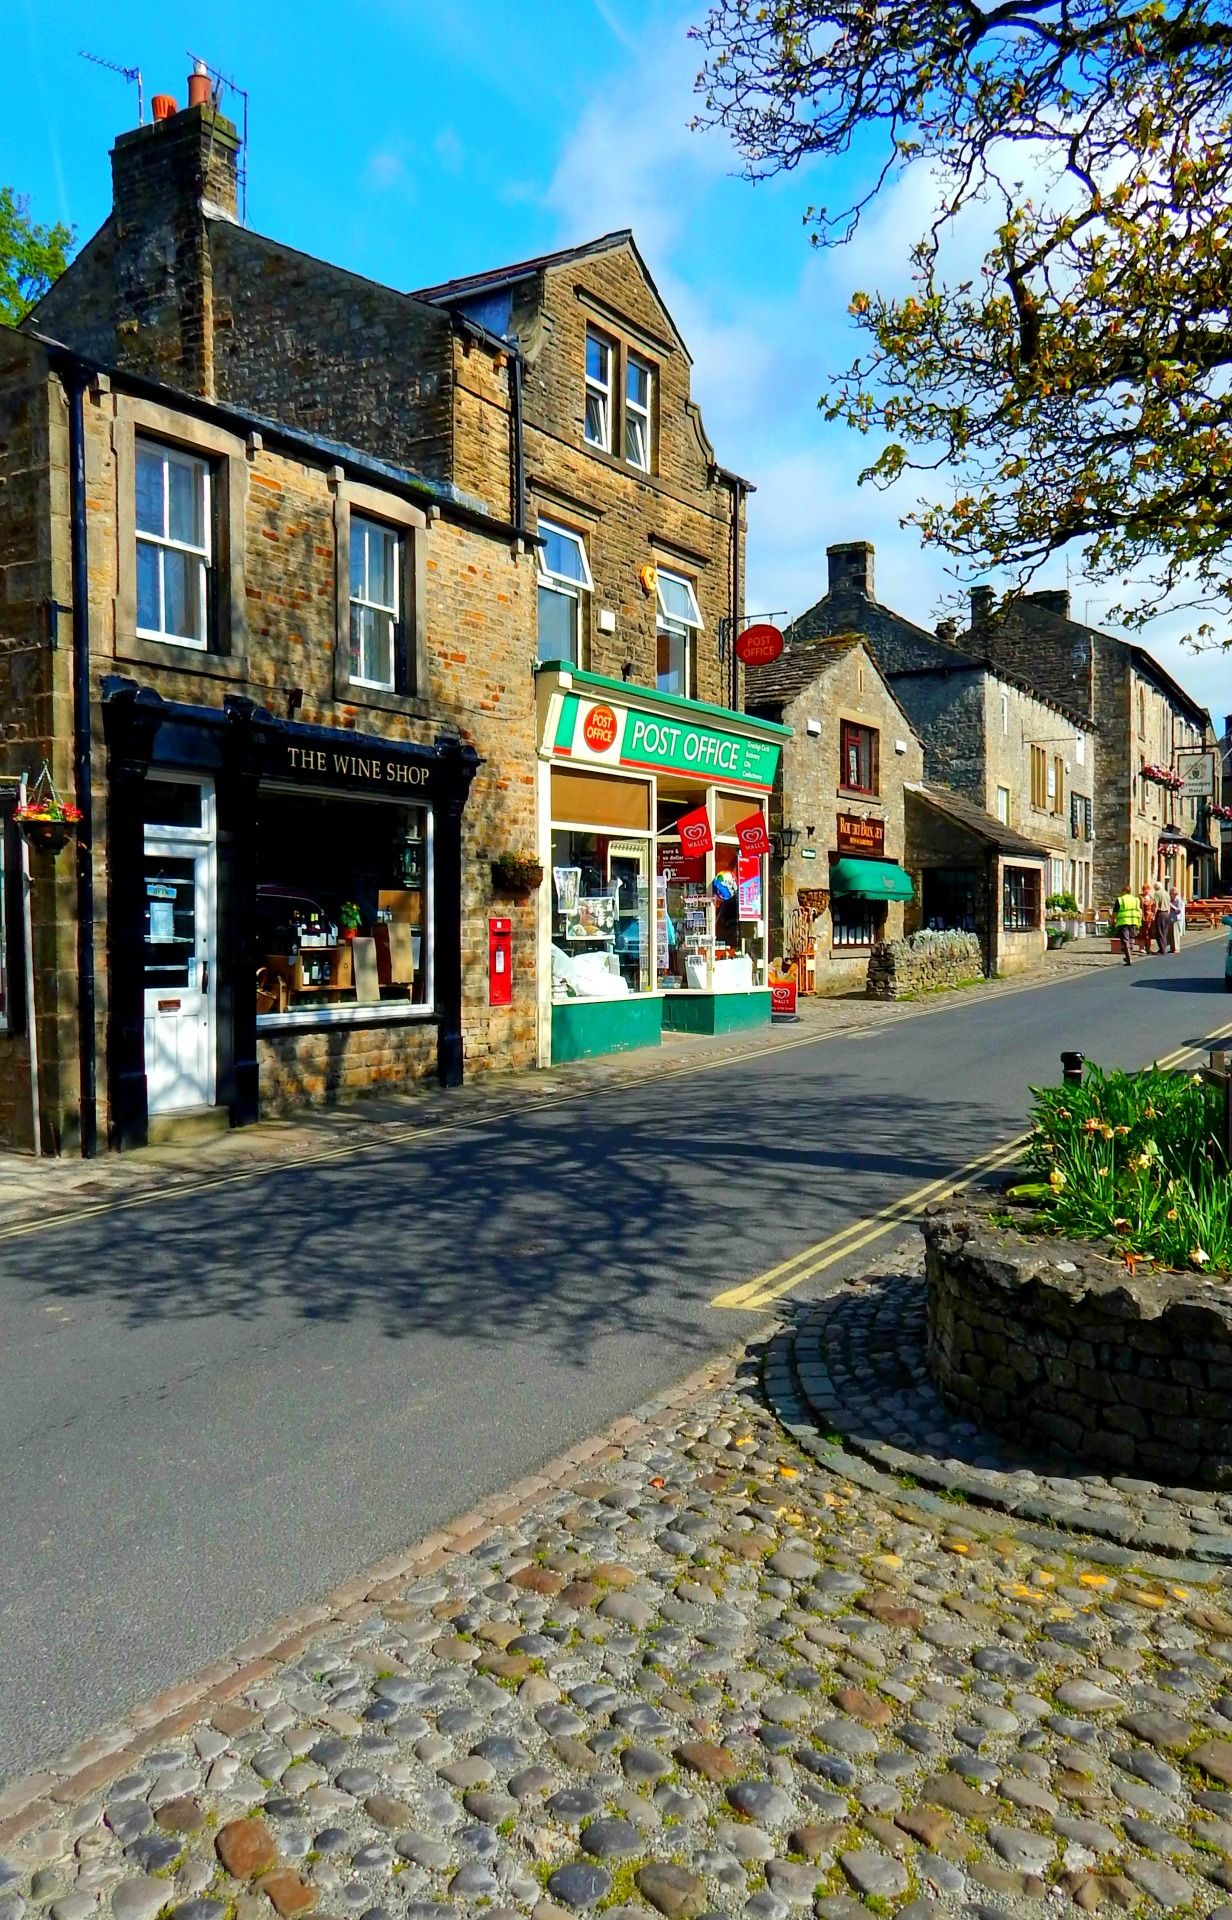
[
  {"x": 1003, "y": 805},
  {"x": 163, "y": 543},
  {"x": 677, "y": 626},
  {"x": 362, "y": 523},
  {"x": 1080, "y": 749},
  {"x": 564, "y": 584},
  {"x": 1005, "y": 714},
  {"x": 637, "y": 414},
  {"x": 599, "y": 390}
]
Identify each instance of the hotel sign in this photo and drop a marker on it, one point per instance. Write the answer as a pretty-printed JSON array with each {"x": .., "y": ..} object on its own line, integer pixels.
[
  {"x": 600, "y": 733},
  {"x": 860, "y": 836}
]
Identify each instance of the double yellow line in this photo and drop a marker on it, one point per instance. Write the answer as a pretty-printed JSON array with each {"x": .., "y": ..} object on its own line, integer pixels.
[{"x": 813, "y": 1260}]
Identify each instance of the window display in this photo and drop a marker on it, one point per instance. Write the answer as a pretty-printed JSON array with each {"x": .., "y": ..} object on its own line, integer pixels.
[
  {"x": 601, "y": 921},
  {"x": 343, "y": 905}
]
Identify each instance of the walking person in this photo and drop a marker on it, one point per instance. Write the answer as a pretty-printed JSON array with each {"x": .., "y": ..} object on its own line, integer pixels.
[
  {"x": 1146, "y": 918},
  {"x": 1176, "y": 918},
  {"x": 1163, "y": 915},
  {"x": 1127, "y": 919}
]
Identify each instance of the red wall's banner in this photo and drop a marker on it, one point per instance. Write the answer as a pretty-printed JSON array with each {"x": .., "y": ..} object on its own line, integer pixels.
[
  {"x": 694, "y": 831},
  {"x": 752, "y": 835}
]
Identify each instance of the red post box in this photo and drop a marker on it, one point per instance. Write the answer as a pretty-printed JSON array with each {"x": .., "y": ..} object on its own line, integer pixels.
[{"x": 500, "y": 962}]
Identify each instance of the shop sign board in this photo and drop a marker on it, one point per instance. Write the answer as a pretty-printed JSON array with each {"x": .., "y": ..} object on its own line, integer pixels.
[
  {"x": 752, "y": 835},
  {"x": 340, "y": 767},
  {"x": 748, "y": 886},
  {"x": 1197, "y": 770},
  {"x": 604, "y": 734},
  {"x": 782, "y": 999},
  {"x": 694, "y": 830},
  {"x": 759, "y": 645},
  {"x": 855, "y": 835}
]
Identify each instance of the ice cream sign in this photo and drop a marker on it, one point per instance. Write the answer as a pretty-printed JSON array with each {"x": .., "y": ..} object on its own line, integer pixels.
[{"x": 605, "y": 734}]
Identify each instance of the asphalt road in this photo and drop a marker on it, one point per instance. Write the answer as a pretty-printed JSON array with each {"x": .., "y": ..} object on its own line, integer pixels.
[{"x": 215, "y": 1407}]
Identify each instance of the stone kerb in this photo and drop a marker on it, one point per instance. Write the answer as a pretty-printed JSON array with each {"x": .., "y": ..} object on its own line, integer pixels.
[
  {"x": 1057, "y": 1340},
  {"x": 922, "y": 963}
]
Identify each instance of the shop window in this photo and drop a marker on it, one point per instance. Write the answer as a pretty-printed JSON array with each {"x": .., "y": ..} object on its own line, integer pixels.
[
  {"x": 376, "y": 602},
  {"x": 343, "y": 906},
  {"x": 564, "y": 576},
  {"x": 679, "y": 620},
  {"x": 857, "y": 923},
  {"x": 1039, "y": 779},
  {"x": 602, "y": 939},
  {"x": 859, "y": 750},
  {"x": 1020, "y": 899},
  {"x": 174, "y": 545},
  {"x": 599, "y": 360},
  {"x": 950, "y": 899},
  {"x": 600, "y": 800},
  {"x": 639, "y": 393}
]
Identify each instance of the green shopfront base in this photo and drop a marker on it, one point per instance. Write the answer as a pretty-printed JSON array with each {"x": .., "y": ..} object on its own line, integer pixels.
[{"x": 583, "y": 1028}]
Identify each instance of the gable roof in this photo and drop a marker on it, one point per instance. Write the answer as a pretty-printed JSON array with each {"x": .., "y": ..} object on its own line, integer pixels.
[
  {"x": 797, "y": 667},
  {"x": 965, "y": 813},
  {"x": 450, "y": 293}
]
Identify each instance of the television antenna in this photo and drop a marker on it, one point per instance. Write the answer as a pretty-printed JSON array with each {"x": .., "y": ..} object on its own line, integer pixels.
[
  {"x": 221, "y": 80},
  {"x": 131, "y": 74}
]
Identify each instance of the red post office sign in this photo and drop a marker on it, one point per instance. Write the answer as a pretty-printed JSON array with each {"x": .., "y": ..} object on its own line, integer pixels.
[
  {"x": 758, "y": 645},
  {"x": 599, "y": 729},
  {"x": 782, "y": 999}
]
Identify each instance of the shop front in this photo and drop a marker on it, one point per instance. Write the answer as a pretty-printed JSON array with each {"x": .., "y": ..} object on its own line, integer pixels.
[
  {"x": 283, "y": 899},
  {"x": 655, "y": 849}
]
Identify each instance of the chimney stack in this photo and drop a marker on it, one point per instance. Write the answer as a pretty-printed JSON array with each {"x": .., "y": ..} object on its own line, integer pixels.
[
  {"x": 983, "y": 599},
  {"x": 1052, "y": 599},
  {"x": 850, "y": 566}
]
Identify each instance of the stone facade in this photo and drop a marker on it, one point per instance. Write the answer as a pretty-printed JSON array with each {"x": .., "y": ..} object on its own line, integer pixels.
[
  {"x": 1142, "y": 716},
  {"x": 923, "y": 963},
  {"x": 1026, "y": 759},
  {"x": 950, "y": 840},
  {"x": 1060, "y": 1341},
  {"x": 814, "y": 689},
  {"x": 685, "y": 514}
]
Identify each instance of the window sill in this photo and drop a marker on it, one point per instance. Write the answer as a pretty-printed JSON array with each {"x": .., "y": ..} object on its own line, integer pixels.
[
  {"x": 381, "y": 1013},
  {"x": 384, "y": 700},
  {"x": 613, "y": 461},
  {"x": 859, "y": 793},
  {"x": 177, "y": 659}
]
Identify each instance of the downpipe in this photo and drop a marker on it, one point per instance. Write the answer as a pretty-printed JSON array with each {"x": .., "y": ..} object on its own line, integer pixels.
[{"x": 87, "y": 997}]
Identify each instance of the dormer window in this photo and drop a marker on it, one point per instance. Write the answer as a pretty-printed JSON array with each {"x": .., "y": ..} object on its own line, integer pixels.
[{"x": 598, "y": 391}]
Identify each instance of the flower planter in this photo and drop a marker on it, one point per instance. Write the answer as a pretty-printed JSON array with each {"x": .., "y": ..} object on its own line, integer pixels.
[
  {"x": 48, "y": 836},
  {"x": 516, "y": 878}
]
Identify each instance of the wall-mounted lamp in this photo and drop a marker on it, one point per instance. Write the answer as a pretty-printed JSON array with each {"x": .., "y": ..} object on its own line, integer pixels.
[
  {"x": 785, "y": 841},
  {"x": 295, "y": 700}
]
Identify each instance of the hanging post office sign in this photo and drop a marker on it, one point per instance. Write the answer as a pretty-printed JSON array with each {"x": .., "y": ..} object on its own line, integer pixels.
[{"x": 602, "y": 733}]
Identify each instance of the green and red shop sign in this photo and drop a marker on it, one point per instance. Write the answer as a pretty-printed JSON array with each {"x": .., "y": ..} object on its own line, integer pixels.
[{"x": 603, "y": 734}]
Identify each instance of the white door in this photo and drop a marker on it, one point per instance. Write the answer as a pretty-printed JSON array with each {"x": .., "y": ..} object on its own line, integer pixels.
[{"x": 179, "y": 928}]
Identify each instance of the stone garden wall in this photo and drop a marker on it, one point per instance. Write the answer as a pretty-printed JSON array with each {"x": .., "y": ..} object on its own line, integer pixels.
[
  {"x": 922, "y": 963},
  {"x": 1058, "y": 1341}
]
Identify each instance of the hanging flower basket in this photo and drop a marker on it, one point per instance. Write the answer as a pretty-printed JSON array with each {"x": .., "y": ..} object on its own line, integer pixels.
[
  {"x": 518, "y": 873},
  {"x": 1163, "y": 776},
  {"x": 46, "y": 821}
]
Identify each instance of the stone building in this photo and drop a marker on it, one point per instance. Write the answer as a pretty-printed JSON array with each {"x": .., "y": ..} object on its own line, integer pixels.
[
  {"x": 839, "y": 809},
  {"x": 640, "y": 568},
  {"x": 282, "y": 659},
  {"x": 1024, "y": 758},
  {"x": 1147, "y": 724}
]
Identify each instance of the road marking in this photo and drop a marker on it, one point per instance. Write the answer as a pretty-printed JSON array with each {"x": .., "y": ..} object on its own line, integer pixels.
[{"x": 777, "y": 1281}]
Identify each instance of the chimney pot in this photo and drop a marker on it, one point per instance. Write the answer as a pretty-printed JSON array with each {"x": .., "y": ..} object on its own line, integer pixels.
[
  {"x": 199, "y": 86},
  {"x": 850, "y": 564},
  {"x": 163, "y": 106}
]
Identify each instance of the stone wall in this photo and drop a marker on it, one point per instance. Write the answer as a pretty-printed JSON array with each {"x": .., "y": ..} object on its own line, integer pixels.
[
  {"x": 1057, "y": 1341},
  {"x": 923, "y": 963}
]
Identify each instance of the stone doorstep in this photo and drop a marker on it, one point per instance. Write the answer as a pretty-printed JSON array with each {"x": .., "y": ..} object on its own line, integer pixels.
[{"x": 36, "y": 1799}]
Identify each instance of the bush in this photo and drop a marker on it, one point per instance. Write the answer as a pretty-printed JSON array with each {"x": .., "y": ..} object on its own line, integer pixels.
[
  {"x": 1062, "y": 903},
  {"x": 1136, "y": 1158}
]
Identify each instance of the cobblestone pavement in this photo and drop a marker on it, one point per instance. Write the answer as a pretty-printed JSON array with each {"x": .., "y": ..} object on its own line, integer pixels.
[
  {"x": 43, "y": 1189},
  {"x": 697, "y": 1674},
  {"x": 855, "y": 1367}
]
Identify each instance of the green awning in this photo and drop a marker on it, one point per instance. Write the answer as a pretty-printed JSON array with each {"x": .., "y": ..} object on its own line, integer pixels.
[{"x": 871, "y": 880}]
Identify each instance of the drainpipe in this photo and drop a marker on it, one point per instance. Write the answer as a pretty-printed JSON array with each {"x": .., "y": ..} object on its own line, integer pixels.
[
  {"x": 75, "y": 385},
  {"x": 27, "y": 945},
  {"x": 737, "y": 498},
  {"x": 519, "y": 446}
]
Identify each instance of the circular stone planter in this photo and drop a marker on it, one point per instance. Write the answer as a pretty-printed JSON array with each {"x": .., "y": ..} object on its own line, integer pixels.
[{"x": 1057, "y": 1340}]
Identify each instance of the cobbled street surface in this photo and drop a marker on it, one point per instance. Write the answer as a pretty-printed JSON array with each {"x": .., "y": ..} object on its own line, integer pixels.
[{"x": 703, "y": 1676}]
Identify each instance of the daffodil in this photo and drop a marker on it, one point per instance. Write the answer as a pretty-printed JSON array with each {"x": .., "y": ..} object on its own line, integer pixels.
[
  {"x": 1056, "y": 1179},
  {"x": 1198, "y": 1257}
]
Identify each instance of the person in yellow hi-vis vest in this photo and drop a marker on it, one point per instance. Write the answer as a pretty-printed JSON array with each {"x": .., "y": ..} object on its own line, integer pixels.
[{"x": 1127, "y": 918}]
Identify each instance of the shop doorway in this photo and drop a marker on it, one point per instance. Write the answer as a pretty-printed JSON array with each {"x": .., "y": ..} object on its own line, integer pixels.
[
  {"x": 629, "y": 880},
  {"x": 179, "y": 943}
]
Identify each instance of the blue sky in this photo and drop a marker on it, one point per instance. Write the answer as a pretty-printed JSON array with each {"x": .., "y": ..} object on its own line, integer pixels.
[{"x": 411, "y": 141}]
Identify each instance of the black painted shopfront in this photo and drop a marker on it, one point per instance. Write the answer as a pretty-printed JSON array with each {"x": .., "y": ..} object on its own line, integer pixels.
[{"x": 219, "y": 821}]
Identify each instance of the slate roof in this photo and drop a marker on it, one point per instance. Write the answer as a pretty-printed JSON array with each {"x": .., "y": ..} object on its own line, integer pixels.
[
  {"x": 1029, "y": 616},
  {"x": 448, "y": 290},
  {"x": 796, "y": 668},
  {"x": 965, "y": 813}
]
